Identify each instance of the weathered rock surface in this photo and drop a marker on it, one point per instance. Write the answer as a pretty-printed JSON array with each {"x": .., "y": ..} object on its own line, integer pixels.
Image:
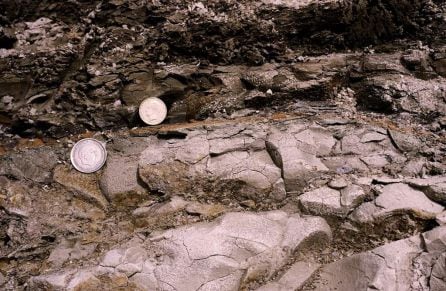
[
  {"x": 323, "y": 201},
  {"x": 438, "y": 280},
  {"x": 261, "y": 162},
  {"x": 119, "y": 180},
  {"x": 166, "y": 213},
  {"x": 338, "y": 183},
  {"x": 434, "y": 188},
  {"x": 212, "y": 163},
  {"x": 296, "y": 151},
  {"x": 70, "y": 251},
  {"x": 239, "y": 247},
  {"x": 401, "y": 265},
  {"x": 294, "y": 278},
  {"x": 352, "y": 196},
  {"x": 397, "y": 198},
  {"x": 84, "y": 185},
  {"x": 327, "y": 201},
  {"x": 35, "y": 165},
  {"x": 179, "y": 175},
  {"x": 441, "y": 218},
  {"x": 107, "y": 57},
  {"x": 333, "y": 108}
]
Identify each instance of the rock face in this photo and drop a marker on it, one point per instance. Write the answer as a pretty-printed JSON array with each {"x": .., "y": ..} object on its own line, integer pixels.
[
  {"x": 213, "y": 163},
  {"x": 177, "y": 259},
  {"x": 294, "y": 278},
  {"x": 84, "y": 185},
  {"x": 328, "y": 201},
  {"x": 176, "y": 177},
  {"x": 296, "y": 153},
  {"x": 401, "y": 265},
  {"x": 396, "y": 198},
  {"x": 34, "y": 165},
  {"x": 303, "y": 149},
  {"x": 119, "y": 181},
  {"x": 109, "y": 57},
  {"x": 263, "y": 163}
]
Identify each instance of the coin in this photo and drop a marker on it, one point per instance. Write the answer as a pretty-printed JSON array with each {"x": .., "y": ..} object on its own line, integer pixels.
[
  {"x": 88, "y": 155},
  {"x": 152, "y": 111}
]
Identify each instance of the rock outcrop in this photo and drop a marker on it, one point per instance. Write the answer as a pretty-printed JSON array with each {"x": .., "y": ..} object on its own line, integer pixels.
[
  {"x": 416, "y": 263},
  {"x": 226, "y": 253},
  {"x": 303, "y": 149}
]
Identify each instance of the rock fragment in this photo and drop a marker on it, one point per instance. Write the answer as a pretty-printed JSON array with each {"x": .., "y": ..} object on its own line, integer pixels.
[
  {"x": 338, "y": 183},
  {"x": 158, "y": 210},
  {"x": 375, "y": 161},
  {"x": 328, "y": 201},
  {"x": 294, "y": 278},
  {"x": 373, "y": 137},
  {"x": 323, "y": 201},
  {"x": 296, "y": 154},
  {"x": 352, "y": 196},
  {"x": 404, "y": 142},
  {"x": 438, "y": 278},
  {"x": 397, "y": 198},
  {"x": 70, "y": 250},
  {"x": 433, "y": 187},
  {"x": 84, "y": 185},
  {"x": 441, "y": 218},
  {"x": 119, "y": 180},
  {"x": 54, "y": 281},
  {"x": 36, "y": 165},
  {"x": 351, "y": 144}
]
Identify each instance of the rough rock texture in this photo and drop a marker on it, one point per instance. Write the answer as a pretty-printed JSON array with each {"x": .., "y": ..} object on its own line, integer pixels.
[
  {"x": 303, "y": 137},
  {"x": 401, "y": 265},
  {"x": 294, "y": 278},
  {"x": 213, "y": 163},
  {"x": 397, "y": 198},
  {"x": 83, "y": 184},
  {"x": 34, "y": 165},
  {"x": 119, "y": 181},
  {"x": 296, "y": 152},
  {"x": 90, "y": 69},
  {"x": 182, "y": 174},
  {"x": 435, "y": 188},
  {"x": 177, "y": 259},
  {"x": 332, "y": 202}
]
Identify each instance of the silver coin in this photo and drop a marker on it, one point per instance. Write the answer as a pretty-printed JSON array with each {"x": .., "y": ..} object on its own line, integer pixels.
[
  {"x": 88, "y": 155},
  {"x": 152, "y": 111}
]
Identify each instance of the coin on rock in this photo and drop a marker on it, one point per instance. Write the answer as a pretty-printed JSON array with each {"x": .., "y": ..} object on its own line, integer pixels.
[
  {"x": 88, "y": 155},
  {"x": 152, "y": 111}
]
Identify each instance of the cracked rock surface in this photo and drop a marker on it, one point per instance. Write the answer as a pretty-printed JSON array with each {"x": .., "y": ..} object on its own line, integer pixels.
[
  {"x": 402, "y": 265},
  {"x": 238, "y": 247},
  {"x": 304, "y": 146}
]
